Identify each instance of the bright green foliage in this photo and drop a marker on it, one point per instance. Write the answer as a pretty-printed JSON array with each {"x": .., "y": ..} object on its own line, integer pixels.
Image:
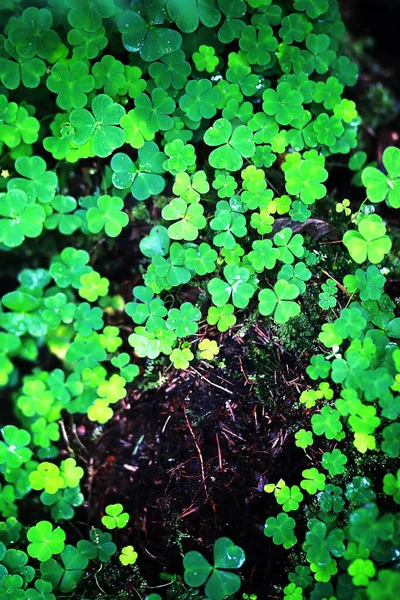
[
  {"x": 369, "y": 242},
  {"x": 384, "y": 187},
  {"x": 128, "y": 556},
  {"x": 115, "y": 517},
  {"x": 281, "y": 529},
  {"x": 228, "y": 116},
  {"x": 107, "y": 215},
  {"x": 45, "y": 541},
  {"x": 218, "y": 581}
]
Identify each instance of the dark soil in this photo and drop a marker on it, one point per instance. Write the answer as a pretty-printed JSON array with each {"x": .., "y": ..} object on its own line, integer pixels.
[{"x": 189, "y": 462}]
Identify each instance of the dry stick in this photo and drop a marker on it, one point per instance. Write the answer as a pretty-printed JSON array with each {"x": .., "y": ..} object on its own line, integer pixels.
[
  {"x": 219, "y": 453},
  {"x": 203, "y": 475},
  {"x": 211, "y": 382}
]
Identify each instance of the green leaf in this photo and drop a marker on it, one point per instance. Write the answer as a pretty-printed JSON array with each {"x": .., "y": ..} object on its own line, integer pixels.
[
  {"x": 108, "y": 215},
  {"x": 369, "y": 242}
]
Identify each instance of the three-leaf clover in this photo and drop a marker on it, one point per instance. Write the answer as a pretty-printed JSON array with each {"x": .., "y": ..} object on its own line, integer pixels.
[
  {"x": 281, "y": 529},
  {"x": 107, "y": 215},
  {"x": 218, "y": 581},
  {"x": 18, "y": 218},
  {"x": 285, "y": 104},
  {"x": 369, "y": 242},
  {"x": 279, "y": 301},
  {"x": 71, "y": 83},
  {"x": 234, "y": 146},
  {"x": 237, "y": 286},
  {"x": 101, "y": 127},
  {"x": 115, "y": 517},
  {"x": 306, "y": 181},
  {"x": 45, "y": 541},
  {"x": 384, "y": 187},
  {"x": 189, "y": 219}
]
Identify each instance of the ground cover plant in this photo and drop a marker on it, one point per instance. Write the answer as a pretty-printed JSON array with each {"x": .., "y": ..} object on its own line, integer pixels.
[{"x": 171, "y": 225}]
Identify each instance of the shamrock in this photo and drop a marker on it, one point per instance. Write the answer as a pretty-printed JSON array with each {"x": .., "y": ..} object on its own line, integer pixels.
[
  {"x": 319, "y": 367},
  {"x": 334, "y": 462},
  {"x": 110, "y": 339},
  {"x": 172, "y": 70},
  {"x": 45, "y": 541},
  {"x": 208, "y": 349},
  {"x": 68, "y": 268},
  {"x": 391, "y": 485},
  {"x": 285, "y": 104},
  {"x": 115, "y": 517},
  {"x": 13, "y": 451},
  {"x": 384, "y": 187},
  {"x": 370, "y": 283},
  {"x": 145, "y": 176},
  {"x": 136, "y": 130},
  {"x": 321, "y": 57},
  {"x": 327, "y": 423},
  {"x": 289, "y": 245},
  {"x": 150, "y": 41},
  {"x": 18, "y": 218},
  {"x": 155, "y": 111},
  {"x": 281, "y": 529},
  {"x": 236, "y": 285},
  {"x": 220, "y": 583},
  {"x": 71, "y": 84},
  {"x": 87, "y": 319},
  {"x": 181, "y": 156},
  {"x": 294, "y": 27},
  {"x": 229, "y": 224},
  {"x": 313, "y": 8},
  {"x": 128, "y": 556},
  {"x": 66, "y": 222},
  {"x": 313, "y": 480},
  {"x": 327, "y": 298},
  {"x": 173, "y": 268},
  {"x": 127, "y": 370},
  {"x": 100, "y": 127},
  {"x": 87, "y": 44},
  {"x": 190, "y": 188},
  {"x": 10, "y": 587},
  {"x": 225, "y": 184},
  {"x": 279, "y": 301},
  {"x": 107, "y": 215},
  {"x": 200, "y": 100},
  {"x": 303, "y": 438},
  {"x": 190, "y": 217},
  {"x": 46, "y": 477},
  {"x": 233, "y": 146},
  {"x": 264, "y": 255},
  {"x": 183, "y": 320},
  {"x": 100, "y": 545},
  {"x": 150, "y": 311},
  {"x": 25, "y": 71},
  {"x": 89, "y": 15},
  {"x": 320, "y": 545},
  {"x": 37, "y": 400},
  {"x": 201, "y": 259},
  {"x": 100, "y": 411},
  {"x": 181, "y": 357},
  {"x": 109, "y": 75},
  {"x": 306, "y": 180},
  {"x": 289, "y": 497},
  {"x": 205, "y": 59},
  {"x": 31, "y": 33},
  {"x": 298, "y": 275},
  {"x": 222, "y": 316},
  {"x": 16, "y": 124},
  {"x": 39, "y": 183},
  {"x": 93, "y": 286},
  {"x": 369, "y": 242}
]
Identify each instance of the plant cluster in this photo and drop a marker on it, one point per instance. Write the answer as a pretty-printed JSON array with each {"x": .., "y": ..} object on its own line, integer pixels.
[{"x": 223, "y": 116}]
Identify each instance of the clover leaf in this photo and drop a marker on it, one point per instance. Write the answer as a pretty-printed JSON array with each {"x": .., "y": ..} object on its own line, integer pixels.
[
  {"x": 45, "y": 541},
  {"x": 384, "y": 187},
  {"x": 219, "y": 582},
  {"x": 71, "y": 84},
  {"x": 188, "y": 14},
  {"x": 18, "y": 218},
  {"x": 369, "y": 283},
  {"x": 289, "y": 245},
  {"x": 281, "y": 529},
  {"x": 101, "y": 127},
  {"x": 13, "y": 451},
  {"x": 172, "y": 70},
  {"x": 183, "y": 320},
  {"x": 200, "y": 100},
  {"x": 285, "y": 104},
  {"x": 222, "y": 316},
  {"x": 369, "y": 242},
  {"x": 201, "y": 259},
  {"x": 306, "y": 181},
  {"x": 128, "y": 556},
  {"x": 155, "y": 111},
  {"x": 151, "y": 41},
  {"x": 279, "y": 301},
  {"x": 233, "y": 146},
  {"x": 236, "y": 286},
  {"x": 143, "y": 178},
  {"x": 115, "y": 517},
  {"x": 31, "y": 33},
  {"x": 181, "y": 357},
  {"x": 189, "y": 219},
  {"x": 109, "y": 75},
  {"x": 107, "y": 215}
]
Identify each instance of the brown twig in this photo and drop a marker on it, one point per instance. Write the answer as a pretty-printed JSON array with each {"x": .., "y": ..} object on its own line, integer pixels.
[
  {"x": 203, "y": 475},
  {"x": 219, "y": 452}
]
